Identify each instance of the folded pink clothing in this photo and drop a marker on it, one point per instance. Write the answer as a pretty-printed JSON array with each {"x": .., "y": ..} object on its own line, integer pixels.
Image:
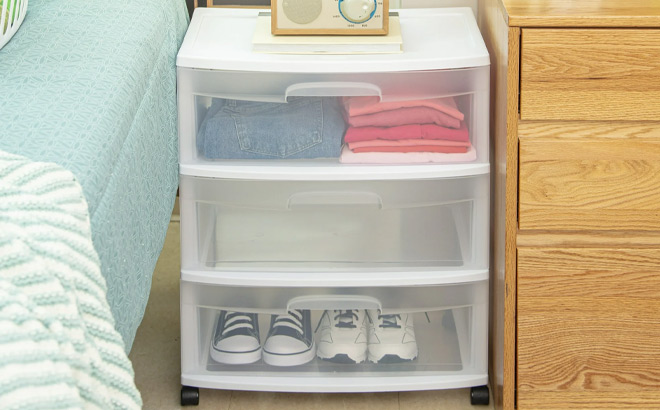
[
  {"x": 405, "y": 116},
  {"x": 406, "y": 143},
  {"x": 404, "y": 132},
  {"x": 386, "y": 158},
  {"x": 414, "y": 148},
  {"x": 370, "y": 105}
]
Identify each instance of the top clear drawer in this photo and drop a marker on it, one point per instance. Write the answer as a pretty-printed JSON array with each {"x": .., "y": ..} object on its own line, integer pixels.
[
  {"x": 232, "y": 123},
  {"x": 250, "y": 115}
]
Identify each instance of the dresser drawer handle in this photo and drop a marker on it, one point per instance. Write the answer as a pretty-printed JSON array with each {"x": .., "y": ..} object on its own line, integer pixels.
[
  {"x": 332, "y": 89},
  {"x": 330, "y": 302},
  {"x": 334, "y": 199}
]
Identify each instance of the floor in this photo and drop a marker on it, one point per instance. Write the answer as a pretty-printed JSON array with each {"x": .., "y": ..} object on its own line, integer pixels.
[{"x": 155, "y": 357}]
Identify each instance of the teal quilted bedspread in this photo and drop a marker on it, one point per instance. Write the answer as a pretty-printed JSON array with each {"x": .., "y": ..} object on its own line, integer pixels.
[{"x": 91, "y": 85}]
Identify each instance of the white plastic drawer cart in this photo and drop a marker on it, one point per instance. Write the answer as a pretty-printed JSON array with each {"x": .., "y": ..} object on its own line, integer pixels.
[{"x": 266, "y": 231}]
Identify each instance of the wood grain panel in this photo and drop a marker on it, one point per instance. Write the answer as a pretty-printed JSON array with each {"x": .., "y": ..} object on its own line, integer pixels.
[
  {"x": 589, "y": 400},
  {"x": 506, "y": 175},
  {"x": 580, "y": 334},
  {"x": 590, "y": 74},
  {"x": 589, "y": 129},
  {"x": 583, "y": 13},
  {"x": 503, "y": 47},
  {"x": 590, "y": 239},
  {"x": 595, "y": 183}
]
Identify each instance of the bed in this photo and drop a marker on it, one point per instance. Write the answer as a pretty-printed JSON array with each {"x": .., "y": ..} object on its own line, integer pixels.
[{"x": 90, "y": 86}]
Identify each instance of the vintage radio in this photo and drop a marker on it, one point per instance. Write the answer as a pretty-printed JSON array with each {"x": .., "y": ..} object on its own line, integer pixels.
[{"x": 329, "y": 17}]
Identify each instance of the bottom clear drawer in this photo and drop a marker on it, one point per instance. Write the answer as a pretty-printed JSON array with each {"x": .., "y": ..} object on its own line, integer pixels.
[{"x": 333, "y": 350}]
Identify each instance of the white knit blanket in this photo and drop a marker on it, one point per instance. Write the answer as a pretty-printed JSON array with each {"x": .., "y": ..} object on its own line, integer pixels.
[{"x": 58, "y": 345}]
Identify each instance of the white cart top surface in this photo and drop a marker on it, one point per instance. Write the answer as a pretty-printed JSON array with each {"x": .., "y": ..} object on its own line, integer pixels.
[{"x": 433, "y": 39}]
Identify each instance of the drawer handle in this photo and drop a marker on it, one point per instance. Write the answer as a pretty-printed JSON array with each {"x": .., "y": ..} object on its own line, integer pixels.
[
  {"x": 330, "y": 302},
  {"x": 332, "y": 89},
  {"x": 334, "y": 198}
]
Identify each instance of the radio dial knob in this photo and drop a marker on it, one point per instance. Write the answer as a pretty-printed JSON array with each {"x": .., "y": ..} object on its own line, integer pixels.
[{"x": 357, "y": 11}]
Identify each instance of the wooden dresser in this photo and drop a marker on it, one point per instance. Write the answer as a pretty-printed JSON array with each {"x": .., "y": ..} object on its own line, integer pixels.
[{"x": 576, "y": 131}]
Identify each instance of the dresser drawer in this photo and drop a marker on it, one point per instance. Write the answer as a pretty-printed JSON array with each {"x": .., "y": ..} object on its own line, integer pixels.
[
  {"x": 588, "y": 327},
  {"x": 331, "y": 230},
  {"x": 590, "y": 74},
  {"x": 430, "y": 103},
  {"x": 285, "y": 118},
  {"x": 589, "y": 176},
  {"x": 447, "y": 323}
]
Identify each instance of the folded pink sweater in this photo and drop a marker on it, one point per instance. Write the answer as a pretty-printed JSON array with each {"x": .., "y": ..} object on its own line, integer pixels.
[
  {"x": 404, "y": 116},
  {"x": 370, "y": 105},
  {"x": 413, "y": 148},
  {"x": 406, "y": 143},
  {"x": 385, "y": 158},
  {"x": 410, "y": 131}
]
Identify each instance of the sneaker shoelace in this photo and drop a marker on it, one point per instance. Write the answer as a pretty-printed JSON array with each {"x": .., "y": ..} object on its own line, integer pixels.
[
  {"x": 293, "y": 319},
  {"x": 237, "y": 320},
  {"x": 345, "y": 318},
  {"x": 390, "y": 321}
]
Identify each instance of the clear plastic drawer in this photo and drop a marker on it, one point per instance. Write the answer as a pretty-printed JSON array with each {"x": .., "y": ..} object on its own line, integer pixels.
[
  {"x": 242, "y": 119},
  {"x": 310, "y": 227},
  {"x": 435, "y": 336}
]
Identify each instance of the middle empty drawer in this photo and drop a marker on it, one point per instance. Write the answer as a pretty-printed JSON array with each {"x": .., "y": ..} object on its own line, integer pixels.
[{"x": 433, "y": 224}]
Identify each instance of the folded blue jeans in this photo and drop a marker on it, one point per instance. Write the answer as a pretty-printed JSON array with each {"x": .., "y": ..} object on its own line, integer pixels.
[{"x": 302, "y": 128}]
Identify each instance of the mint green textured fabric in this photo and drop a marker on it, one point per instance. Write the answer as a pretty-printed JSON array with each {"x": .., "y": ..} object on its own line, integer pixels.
[
  {"x": 91, "y": 86},
  {"x": 59, "y": 348}
]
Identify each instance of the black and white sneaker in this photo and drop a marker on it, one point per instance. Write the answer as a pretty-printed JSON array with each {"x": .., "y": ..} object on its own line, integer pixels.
[
  {"x": 290, "y": 341},
  {"x": 343, "y": 336},
  {"x": 236, "y": 338}
]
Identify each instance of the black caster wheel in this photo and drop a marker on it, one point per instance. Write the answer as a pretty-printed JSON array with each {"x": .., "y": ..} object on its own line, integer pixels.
[
  {"x": 479, "y": 395},
  {"x": 189, "y": 396}
]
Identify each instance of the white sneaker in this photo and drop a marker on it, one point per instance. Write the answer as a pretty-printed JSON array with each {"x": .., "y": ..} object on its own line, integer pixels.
[
  {"x": 343, "y": 336},
  {"x": 290, "y": 340},
  {"x": 236, "y": 338},
  {"x": 391, "y": 338}
]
